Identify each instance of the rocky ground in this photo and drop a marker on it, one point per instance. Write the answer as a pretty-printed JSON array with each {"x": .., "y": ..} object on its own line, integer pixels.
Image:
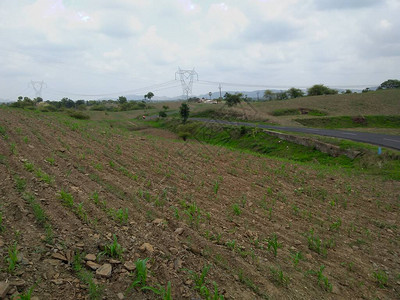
[{"x": 84, "y": 203}]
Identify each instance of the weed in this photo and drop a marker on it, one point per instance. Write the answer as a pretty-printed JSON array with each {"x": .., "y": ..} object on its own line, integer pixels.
[
  {"x": 67, "y": 198},
  {"x": 381, "y": 278},
  {"x": 295, "y": 210},
  {"x": 273, "y": 244},
  {"x": 49, "y": 237},
  {"x": 25, "y": 139},
  {"x": 113, "y": 250},
  {"x": 236, "y": 209},
  {"x": 279, "y": 277},
  {"x": 12, "y": 258},
  {"x": 43, "y": 176},
  {"x": 95, "y": 197}
]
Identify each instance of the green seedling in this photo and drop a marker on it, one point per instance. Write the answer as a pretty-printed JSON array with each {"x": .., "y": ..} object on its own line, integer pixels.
[
  {"x": 296, "y": 257},
  {"x": 29, "y": 166},
  {"x": 323, "y": 280},
  {"x": 113, "y": 250},
  {"x": 381, "y": 278},
  {"x": 20, "y": 184},
  {"x": 231, "y": 244},
  {"x": 12, "y": 258},
  {"x": 26, "y": 295},
  {"x": 140, "y": 275},
  {"x": 273, "y": 244},
  {"x": 67, "y": 198},
  {"x": 279, "y": 277},
  {"x": 236, "y": 209}
]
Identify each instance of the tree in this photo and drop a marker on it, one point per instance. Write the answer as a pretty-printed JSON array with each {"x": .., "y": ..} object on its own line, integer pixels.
[
  {"x": 210, "y": 94},
  {"x": 122, "y": 99},
  {"x": 390, "y": 84},
  {"x": 233, "y": 99},
  {"x": 165, "y": 107},
  {"x": 295, "y": 93},
  {"x": 320, "y": 89},
  {"x": 184, "y": 112},
  {"x": 149, "y": 95},
  {"x": 268, "y": 95}
]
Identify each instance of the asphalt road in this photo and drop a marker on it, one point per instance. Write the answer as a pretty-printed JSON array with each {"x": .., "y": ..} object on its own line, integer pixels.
[{"x": 385, "y": 140}]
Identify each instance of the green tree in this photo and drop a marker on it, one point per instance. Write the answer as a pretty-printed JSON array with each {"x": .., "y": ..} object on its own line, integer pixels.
[
  {"x": 122, "y": 100},
  {"x": 149, "y": 95},
  {"x": 165, "y": 107},
  {"x": 390, "y": 84},
  {"x": 295, "y": 93},
  {"x": 233, "y": 99},
  {"x": 184, "y": 111},
  {"x": 268, "y": 95},
  {"x": 320, "y": 89}
]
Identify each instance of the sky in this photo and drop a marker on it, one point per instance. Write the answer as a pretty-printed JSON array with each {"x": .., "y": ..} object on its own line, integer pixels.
[{"x": 88, "y": 49}]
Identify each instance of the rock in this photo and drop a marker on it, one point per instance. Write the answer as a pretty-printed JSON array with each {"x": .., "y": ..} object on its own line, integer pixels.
[
  {"x": 130, "y": 266},
  {"x": 59, "y": 256},
  {"x": 115, "y": 262},
  {"x": 80, "y": 245},
  {"x": 104, "y": 271},
  {"x": 92, "y": 265},
  {"x": 90, "y": 257},
  {"x": 51, "y": 262},
  {"x": 147, "y": 247},
  {"x": 308, "y": 256},
  {"x": 173, "y": 250},
  {"x": 297, "y": 243},
  {"x": 35, "y": 298},
  {"x": 158, "y": 221},
  {"x": 4, "y": 288},
  {"x": 177, "y": 264},
  {"x": 179, "y": 231},
  {"x": 1, "y": 243},
  {"x": 120, "y": 296},
  {"x": 69, "y": 254},
  {"x": 17, "y": 282},
  {"x": 57, "y": 281}
]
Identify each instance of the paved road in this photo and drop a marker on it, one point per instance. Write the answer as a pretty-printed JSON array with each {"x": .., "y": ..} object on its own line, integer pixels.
[{"x": 385, "y": 140}]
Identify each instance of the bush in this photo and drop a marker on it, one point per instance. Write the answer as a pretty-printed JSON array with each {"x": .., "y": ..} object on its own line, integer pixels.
[
  {"x": 79, "y": 115},
  {"x": 162, "y": 114}
]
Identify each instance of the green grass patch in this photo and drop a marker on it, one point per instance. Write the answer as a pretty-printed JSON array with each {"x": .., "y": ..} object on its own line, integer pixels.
[
  {"x": 298, "y": 111},
  {"x": 353, "y": 122}
]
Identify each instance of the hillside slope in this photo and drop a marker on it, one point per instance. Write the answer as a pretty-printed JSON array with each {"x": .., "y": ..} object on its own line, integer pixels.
[{"x": 186, "y": 206}]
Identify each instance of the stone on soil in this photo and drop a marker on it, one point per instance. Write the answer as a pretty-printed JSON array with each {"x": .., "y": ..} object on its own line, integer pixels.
[{"x": 104, "y": 271}]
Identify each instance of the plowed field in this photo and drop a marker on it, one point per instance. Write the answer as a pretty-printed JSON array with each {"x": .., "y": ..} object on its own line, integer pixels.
[{"x": 263, "y": 228}]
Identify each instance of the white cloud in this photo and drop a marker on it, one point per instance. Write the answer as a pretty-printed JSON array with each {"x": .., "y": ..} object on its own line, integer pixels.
[{"x": 105, "y": 46}]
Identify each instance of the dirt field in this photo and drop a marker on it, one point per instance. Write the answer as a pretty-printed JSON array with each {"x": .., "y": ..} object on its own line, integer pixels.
[{"x": 268, "y": 229}]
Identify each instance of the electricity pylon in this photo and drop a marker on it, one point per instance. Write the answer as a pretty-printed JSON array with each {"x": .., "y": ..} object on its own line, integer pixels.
[
  {"x": 37, "y": 87},
  {"x": 186, "y": 77}
]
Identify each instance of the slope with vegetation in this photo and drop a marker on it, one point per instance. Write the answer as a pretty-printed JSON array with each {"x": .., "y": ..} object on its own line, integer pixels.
[{"x": 92, "y": 209}]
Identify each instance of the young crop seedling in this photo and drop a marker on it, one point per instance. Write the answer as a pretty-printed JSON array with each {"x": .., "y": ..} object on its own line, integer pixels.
[
  {"x": 315, "y": 243},
  {"x": 67, "y": 198},
  {"x": 29, "y": 166},
  {"x": 322, "y": 279},
  {"x": 273, "y": 244},
  {"x": 140, "y": 275},
  {"x": 25, "y": 295},
  {"x": 12, "y": 258},
  {"x": 231, "y": 244},
  {"x": 296, "y": 257},
  {"x": 236, "y": 209},
  {"x": 381, "y": 278},
  {"x": 113, "y": 250},
  {"x": 279, "y": 277},
  {"x": 20, "y": 184}
]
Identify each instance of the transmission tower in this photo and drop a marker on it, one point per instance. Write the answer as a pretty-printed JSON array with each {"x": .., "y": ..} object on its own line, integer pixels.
[
  {"x": 37, "y": 87},
  {"x": 186, "y": 77}
]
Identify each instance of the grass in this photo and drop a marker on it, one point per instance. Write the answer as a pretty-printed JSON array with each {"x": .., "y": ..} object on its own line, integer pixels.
[
  {"x": 297, "y": 111},
  {"x": 353, "y": 122}
]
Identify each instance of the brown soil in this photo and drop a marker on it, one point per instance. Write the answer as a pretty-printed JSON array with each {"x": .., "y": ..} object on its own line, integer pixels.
[{"x": 356, "y": 217}]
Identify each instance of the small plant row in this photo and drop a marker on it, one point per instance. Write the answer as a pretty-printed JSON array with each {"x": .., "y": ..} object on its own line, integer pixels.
[
  {"x": 78, "y": 209},
  {"x": 38, "y": 212},
  {"x": 121, "y": 215},
  {"x": 40, "y": 174}
]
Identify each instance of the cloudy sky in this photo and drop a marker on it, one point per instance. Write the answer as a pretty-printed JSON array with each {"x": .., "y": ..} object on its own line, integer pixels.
[{"x": 85, "y": 48}]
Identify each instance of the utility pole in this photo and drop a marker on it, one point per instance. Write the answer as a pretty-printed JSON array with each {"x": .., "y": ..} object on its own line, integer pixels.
[
  {"x": 37, "y": 87},
  {"x": 186, "y": 77}
]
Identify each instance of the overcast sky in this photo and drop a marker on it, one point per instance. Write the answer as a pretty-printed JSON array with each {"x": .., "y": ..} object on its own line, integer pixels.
[{"x": 96, "y": 47}]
